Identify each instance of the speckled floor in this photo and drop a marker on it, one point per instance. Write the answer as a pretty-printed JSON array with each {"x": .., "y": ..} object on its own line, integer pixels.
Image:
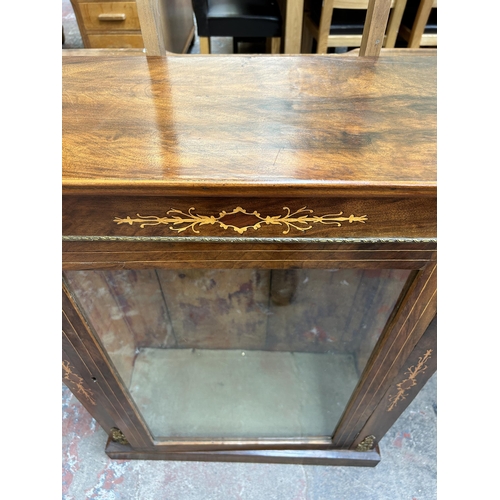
[{"x": 407, "y": 470}]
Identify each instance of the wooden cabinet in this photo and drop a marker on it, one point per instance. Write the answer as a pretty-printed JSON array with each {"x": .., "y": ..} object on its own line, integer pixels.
[
  {"x": 249, "y": 263},
  {"x": 116, "y": 24}
]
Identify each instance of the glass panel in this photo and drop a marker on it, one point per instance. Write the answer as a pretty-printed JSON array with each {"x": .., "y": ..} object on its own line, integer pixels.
[{"x": 239, "y": 353}]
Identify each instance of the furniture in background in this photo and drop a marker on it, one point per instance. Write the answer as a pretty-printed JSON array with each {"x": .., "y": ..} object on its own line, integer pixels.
[
  {"x": 117, "y": 24},
  {"x": 419, "y": 24},
  {"x": 239, "y": 19},
  {"x": 340, "y": 23}
]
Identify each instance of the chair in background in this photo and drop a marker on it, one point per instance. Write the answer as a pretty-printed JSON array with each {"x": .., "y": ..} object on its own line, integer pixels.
[
  {"x": 340, "y": 23},
  {"x": 239, "y": 19},
  {"x": 419, "y": 23}
]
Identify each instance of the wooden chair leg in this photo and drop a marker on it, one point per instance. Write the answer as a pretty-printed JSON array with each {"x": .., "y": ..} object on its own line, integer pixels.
[
  {"x": 322, "y": 45},
  {"x": 323, "y": 30},
  {"x": 417, "y": 30},
  {"x": 307, "y": 40},
  {"x": 204, "y": 45},
  {"x": 394, "y": 23},
  {"x": 275, "y": 45}
]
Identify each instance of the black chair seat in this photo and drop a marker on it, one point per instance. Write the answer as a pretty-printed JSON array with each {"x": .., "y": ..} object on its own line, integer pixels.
[
  {"x": 247, "y": 18},
  {"x": 344, "y": 21}
]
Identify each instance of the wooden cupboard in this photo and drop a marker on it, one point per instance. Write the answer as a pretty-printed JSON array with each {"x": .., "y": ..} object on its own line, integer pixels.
[{"x": 249, "y": 262}]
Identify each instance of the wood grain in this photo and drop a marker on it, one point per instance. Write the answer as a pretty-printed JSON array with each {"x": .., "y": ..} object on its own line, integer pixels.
[
  {"x": 377, "y": 17},
  {"x": 102, "y": 52},
  {"x": 305, "y": 457},
  {"x": 432, "y": 52},
  {"x": 333, "y": 134},
  {"x": 267, "y": 126},
  {"x": 417, "y": 30},
  {"x": 140, "y": 299},
  {"x": 331, "y": 309},
  {"x": 140, "y": 216},
  {"x": 119, "y": 406},
  {"x": 115, "y": 40},
  {"x": 191, "y": 255},
  {"x": 404, "y": 386},
  {"x": 394, "y": 23},
  {"x": 106, "y": 317},
  {"x": 96, "y": 16},
  {"x": 217, "y": 309},
  {"x": 84, "y": 385},
  {"x": 293, "y": 26},
  {"x": 399, "y": 338},
  {"x": 150, "y": 15}
]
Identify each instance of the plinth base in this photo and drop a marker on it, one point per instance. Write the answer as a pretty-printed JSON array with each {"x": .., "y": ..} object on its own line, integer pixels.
[{"x": 305, "y": 457}]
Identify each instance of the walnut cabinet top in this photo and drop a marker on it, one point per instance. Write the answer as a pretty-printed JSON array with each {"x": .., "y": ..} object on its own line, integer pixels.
[{"x": 249, "y": 126}]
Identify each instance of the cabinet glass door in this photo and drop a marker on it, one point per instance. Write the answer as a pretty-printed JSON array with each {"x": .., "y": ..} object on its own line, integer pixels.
[{"x": 239, "y": 353}]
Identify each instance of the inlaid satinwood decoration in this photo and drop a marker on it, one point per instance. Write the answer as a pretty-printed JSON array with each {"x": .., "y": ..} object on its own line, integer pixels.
[
  {"x": 302, "y": 220},
  {"x": 76, "y": 382},
  {"x": 409, "y": 382}
]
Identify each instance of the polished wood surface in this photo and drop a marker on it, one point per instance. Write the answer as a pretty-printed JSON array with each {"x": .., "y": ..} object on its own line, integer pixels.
[
  {"x": 115, "y": 40},
  {"x": 102, "y": 52},
  {"x": 279, "y": 456},
  {"x": 418, "y": 369},
  {"x": 165, "y": 255},
  {"x": 403, "y": 331},
  {"x": 378, "y": 217},
  {"x": 266, "y": 126}
]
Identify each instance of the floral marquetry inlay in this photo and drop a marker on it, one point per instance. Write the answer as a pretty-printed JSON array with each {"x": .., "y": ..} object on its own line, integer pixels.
[
  {"x": 240, "y": 220},
  {"x": 410, "y": 381},
  {"x": 75, "y": 382}
]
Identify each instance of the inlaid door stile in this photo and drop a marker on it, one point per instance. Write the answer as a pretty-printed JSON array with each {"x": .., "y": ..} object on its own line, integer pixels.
[
  {"x": 417, "y": 370},
  {"x": 120, "y": 407},
  {"x": 401, "y": 334},
  {"x": 78, "y": 378}
]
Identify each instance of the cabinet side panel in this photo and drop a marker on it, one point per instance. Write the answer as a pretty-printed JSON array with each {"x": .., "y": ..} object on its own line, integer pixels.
[
  {"x": 418, "y": 369},
  {"x": 77, "y": 377},
  {"x": 85, "y": 343},
  {"x": 397, "y": 342}
]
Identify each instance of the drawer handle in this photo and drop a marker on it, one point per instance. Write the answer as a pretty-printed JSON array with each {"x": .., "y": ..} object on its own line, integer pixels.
[{"x": 112, "y": 17}]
